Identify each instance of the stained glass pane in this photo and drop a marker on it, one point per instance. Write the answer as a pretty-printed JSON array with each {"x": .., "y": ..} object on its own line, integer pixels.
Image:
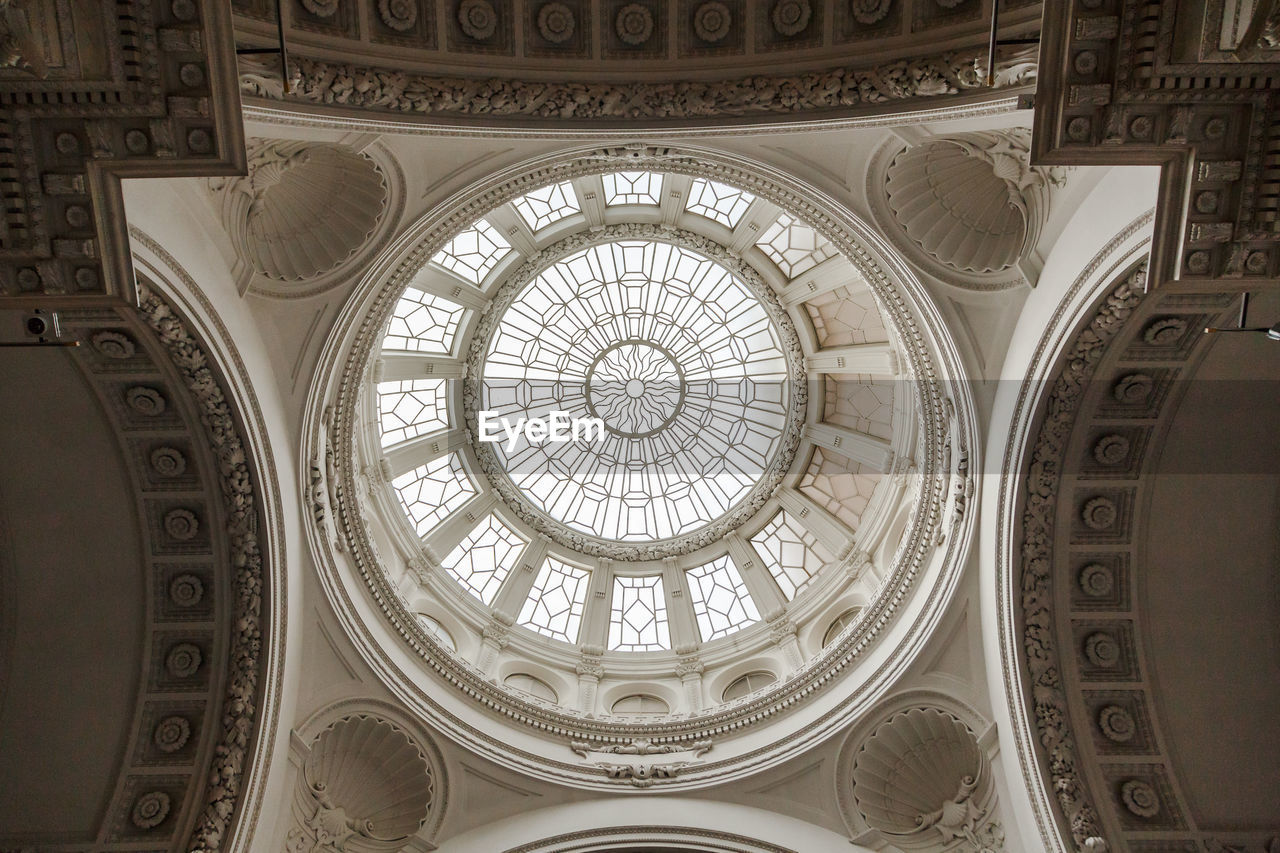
[
  {"x": 410, "y": 408},
  {"x": 721, "y": 202},
  {"x": 791, "y": 554},
  {"x": 547, "y": 205},
  {"x": 482, "y": 561},
  {"x": 555, "y": 603},
  {"x": 431, "y": 491},
  {"x": 721, "y": 602},
  {"x": 423, "y": 322},
  {"x": 632, "y": 188},
  {"x": 638, "y": 616}
]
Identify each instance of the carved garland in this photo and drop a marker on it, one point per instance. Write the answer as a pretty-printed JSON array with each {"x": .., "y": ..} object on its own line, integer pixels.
[
  {"x": 384, "y": 89},
  {"x": 1043, "y": 479},
  {"x": 778, "y": 465},
  {"x": 340, "y": 518},
  {"x": 240, "y": 703}
]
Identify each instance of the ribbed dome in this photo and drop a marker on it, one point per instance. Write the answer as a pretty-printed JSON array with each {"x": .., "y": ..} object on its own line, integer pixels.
[
  {"x": 372, "y": 771},
  {"x": 956, "y": 207},
  {"x": 309, "y": 208},
  {"x": 912, "y": 766}
]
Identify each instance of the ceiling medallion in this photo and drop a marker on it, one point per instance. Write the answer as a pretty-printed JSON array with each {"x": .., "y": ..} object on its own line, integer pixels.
[
  {"x": 686, "y": 355},
  {"x": 555, "y": 22},
  {"x": 870, "y": 11},
  {"x": 477, "y": 19},
  {"x": 790, "y": 17},
  {"x": 711, "y": 21},
  {"x": 398, "y": 14},
  {"x": 634, "y": 24}
]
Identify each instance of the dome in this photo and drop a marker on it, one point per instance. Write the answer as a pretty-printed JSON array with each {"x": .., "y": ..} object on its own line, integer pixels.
[{"x": 633, "y": 426}]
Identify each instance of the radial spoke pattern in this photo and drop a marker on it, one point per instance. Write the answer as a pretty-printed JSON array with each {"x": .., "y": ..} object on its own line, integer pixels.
[
  {"x": 794, "y": 246},
  {"x": 423, "y": 323},
  {"x": 473, "y": 252},
  {"x": 431, "y": 491},
  {"x": 410, "y": 408},
  {"x": 554, "y": 606},
  {"x": 484, "y": 559},
  {"x": 632, "y": 188},
  {"x": 721, "y": 602},
  {"x": 547, "y": 205},
  {"x": 791, "y": 554},
  {"x": 638, "y": 617},
  {"x": 677, "y": 357},
  {"x": 721, "y": 202}
]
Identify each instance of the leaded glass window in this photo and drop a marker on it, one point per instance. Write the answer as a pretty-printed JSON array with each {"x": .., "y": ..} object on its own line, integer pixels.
[
  {"x": 632, "y": 188},
  {"x": 791, "y": 553},
  {"x": 482, "y": 561},
  {"x": 431, "y": 491},
  {"x": 423, "y": 322},
  {"x": 555, "y": 603},
  {"x": 794, "y": 246},
  {"x": 547, "y": 205},
  {"x": 638, "y": 616},
  {"x": 410, "y": 408},
  {"x": 472, "y": 253},
  {"x": 721, "y": 603},
  {"x": 721, "y": 202}
]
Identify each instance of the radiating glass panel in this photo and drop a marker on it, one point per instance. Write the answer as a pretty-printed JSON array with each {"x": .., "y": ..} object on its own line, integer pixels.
[
  {"x": 555, "y": 603},
  {"x": 721, "y": 603},
  {"x": 431, "y": 491},
  {"x": 423, "y": 322},
  {"x": 482, "y": 561},
  {"x": 410, "y": 408},
  {"x": 794, "y": 246},
  {"x": 547, "y": 205},
  {"x": 632, "y": 188},
  {"x": 472, "y": 253},
  {"x": 638, "y": 615},
  {"x": 721, "y": 202},
  {"x": 792, "y": 554}
]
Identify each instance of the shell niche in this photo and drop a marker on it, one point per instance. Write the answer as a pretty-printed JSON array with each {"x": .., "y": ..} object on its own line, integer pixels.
[
  {"x": 371, "y": 770},
  {"x": 920, "y": 768}
]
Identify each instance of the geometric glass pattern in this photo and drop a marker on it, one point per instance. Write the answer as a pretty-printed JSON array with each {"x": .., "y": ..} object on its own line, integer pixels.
[
  {"x": 555, "y": 603},
  {"x": 435, "y": 629},
  {"x": 638, "y": 617},
  {"x": 473, "y": 252},
  {"x": 632, "y": 188},
  {"x": 721, "y": 202},
  {"x": 411, "y": 407},
  {"x": 546, "y": 205},
  {"x": 640, "y": 703},
  {"x": 677, "y": 357},
  {"x": 721, "y": 602},
  {"x": 422, "y": 322},
  {"x": 431, "y": 491},
  {"x": 482, "y": 561},
  {"x": 838, "y": 625},
  {"x": 794, "y": 247},
  {"x": 790, "y": 553},
  {"x": 863, "y": 405},
  {"x": 838, "y": 484}
]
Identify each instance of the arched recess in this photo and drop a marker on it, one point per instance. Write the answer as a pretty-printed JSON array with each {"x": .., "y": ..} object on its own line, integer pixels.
[
  {"x": 330, "y": 777},
  {"x": 928, "y": 715}
]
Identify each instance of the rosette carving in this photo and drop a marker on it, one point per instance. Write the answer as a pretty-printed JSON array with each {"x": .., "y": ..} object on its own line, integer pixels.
[
  {"x": 556, "y": 23},
  {"x": 634, "y": 24},
  {"x": 477, "y": 18},
  {"x": 790, "y": 17},
  {"x": 398, "y": 14},
  {"x": 712, "y": 21}
]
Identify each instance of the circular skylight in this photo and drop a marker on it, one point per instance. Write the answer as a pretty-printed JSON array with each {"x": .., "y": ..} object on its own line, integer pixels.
[{"x": 667, "y": 350}]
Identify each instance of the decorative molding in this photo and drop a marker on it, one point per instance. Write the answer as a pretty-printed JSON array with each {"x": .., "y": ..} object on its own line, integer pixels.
[
  {"x": 155, "y": 99},
  {"x": 345, "y": 85},
  {"x": 651, "y": 836}
]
